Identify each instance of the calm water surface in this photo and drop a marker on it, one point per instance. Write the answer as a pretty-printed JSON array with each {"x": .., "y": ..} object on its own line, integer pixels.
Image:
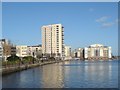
[{"x": 69, "y": 74}]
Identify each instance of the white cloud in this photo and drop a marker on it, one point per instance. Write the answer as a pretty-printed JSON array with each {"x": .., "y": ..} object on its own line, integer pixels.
[
  {"x": 102, "y": 19},
  {"x": 107, "y": 24}
]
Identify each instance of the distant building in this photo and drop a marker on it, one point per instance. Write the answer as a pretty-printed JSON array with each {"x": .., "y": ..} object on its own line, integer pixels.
[
  {"x": 67, "y": 52},
  {"x": 53, "y": 40},
  {"x": 8, "y": 48},
  {"x": 78, "y": 53},
  {"x": 22, "y": 51},
  {"x": 13, "y": 50},
  {"x": 34, "y": 50},
  {"x": 74, "y": 53},
  {"x": 97, "y": 51},
  {"x": 1, "y": 51}
]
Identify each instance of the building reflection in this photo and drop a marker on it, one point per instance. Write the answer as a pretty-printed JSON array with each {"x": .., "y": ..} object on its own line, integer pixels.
[
  {"x": 101, "y": 70},
  {"x": 52, "y": 76}
]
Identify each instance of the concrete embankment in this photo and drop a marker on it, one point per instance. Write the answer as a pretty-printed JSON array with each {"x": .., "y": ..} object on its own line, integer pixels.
[{"x": 9, "y": 70}]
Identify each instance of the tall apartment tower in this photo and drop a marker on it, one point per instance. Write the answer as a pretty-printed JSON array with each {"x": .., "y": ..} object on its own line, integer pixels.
[{"x": 53, "y": 40}]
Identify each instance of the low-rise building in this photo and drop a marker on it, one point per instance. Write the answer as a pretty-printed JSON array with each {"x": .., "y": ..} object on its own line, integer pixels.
[
  {"x": 1, "y": 52},
  {"x": 78, "y": 53},
  {"x": 13, "y": 50},
  {"x": 34, "y": 50},
  {"x": 98, "y": 51},
  {"x": 8, "y": 48},
  {"x": 22, "y": 51},
  {"x": 74, "y": 53},
  {"x": 67, "y": 52},
  {"x": 93, "y": 52}
]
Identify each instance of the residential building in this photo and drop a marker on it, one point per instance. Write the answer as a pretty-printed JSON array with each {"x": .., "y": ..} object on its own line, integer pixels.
[
  {"x": 98, "y": 51},
  {"x": 22, "y": 51},
  {"x": 78, "y": 53},
  {"x": 34, "y": 50},
  {"x": 8, "y": 48},
  {"x": 13, "y": 50},
  {"x": 53, "y": 40},
  {"x": 67, "y": 52},
  {"x": 74, "y": 53},
  {"x": 1, "y": 51}
]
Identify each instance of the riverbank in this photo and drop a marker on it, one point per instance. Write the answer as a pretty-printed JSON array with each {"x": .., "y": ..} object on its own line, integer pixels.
[
  {"x": 17, "y": 68},
  {"x": 9, "y": 70}
]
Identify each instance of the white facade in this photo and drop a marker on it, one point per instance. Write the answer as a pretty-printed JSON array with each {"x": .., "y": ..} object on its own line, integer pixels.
[
  {"x": 34, "y": 50},
  {"x": 98, "y": 51},
  {"x": 67, "y": 51},
  {"x": 21, "y": 51},
  {"x": 80, "y": 52},
  {"x": 1, "y": 51},
  {"x": 6, "y": 48},
  {"x": 86, "y": 52},
  {"x": 53, "y": 39},
  {"x": 101, "y": 52},
  {"x": 110, "y": 51}
]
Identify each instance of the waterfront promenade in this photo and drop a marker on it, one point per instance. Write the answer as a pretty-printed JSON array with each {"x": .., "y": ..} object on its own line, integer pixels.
[
  {"x": 15, "y": 68},
  {"x": 19, "y": 67}
]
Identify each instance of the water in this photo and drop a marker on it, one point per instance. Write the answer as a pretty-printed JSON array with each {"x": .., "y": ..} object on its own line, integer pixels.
[{"x": 69, "y": 74}]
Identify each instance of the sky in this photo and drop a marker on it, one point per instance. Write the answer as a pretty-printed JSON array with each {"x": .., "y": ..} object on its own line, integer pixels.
[{"x": 85, "y": 23}]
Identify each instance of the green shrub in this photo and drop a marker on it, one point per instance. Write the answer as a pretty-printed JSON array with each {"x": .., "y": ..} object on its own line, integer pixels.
[
  {"x": 28, "y": 59},
  {"x": 13, "y": 58}
]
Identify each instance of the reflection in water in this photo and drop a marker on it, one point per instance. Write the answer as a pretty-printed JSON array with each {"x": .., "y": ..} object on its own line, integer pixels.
[
  {"x": 98, "y": 73},
  {"x": 52, "y": 77},
  {"x": 69, "y": 74}
]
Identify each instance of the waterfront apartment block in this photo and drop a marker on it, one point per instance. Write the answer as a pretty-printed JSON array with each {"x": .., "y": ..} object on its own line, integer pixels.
[
  {"x": 78, "y": 53},
  {"x": 34, "y": 50},
  {"x": 97, "y": 51},
  {"x": 67, "y": 52},
  {"x": 93, "y": 52},
  {"x": 22, "y": 51},
  {"x": 53, "y": 40}
]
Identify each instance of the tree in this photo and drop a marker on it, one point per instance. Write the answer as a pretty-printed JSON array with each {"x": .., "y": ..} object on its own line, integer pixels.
[{"x": 13, "y": 58}]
